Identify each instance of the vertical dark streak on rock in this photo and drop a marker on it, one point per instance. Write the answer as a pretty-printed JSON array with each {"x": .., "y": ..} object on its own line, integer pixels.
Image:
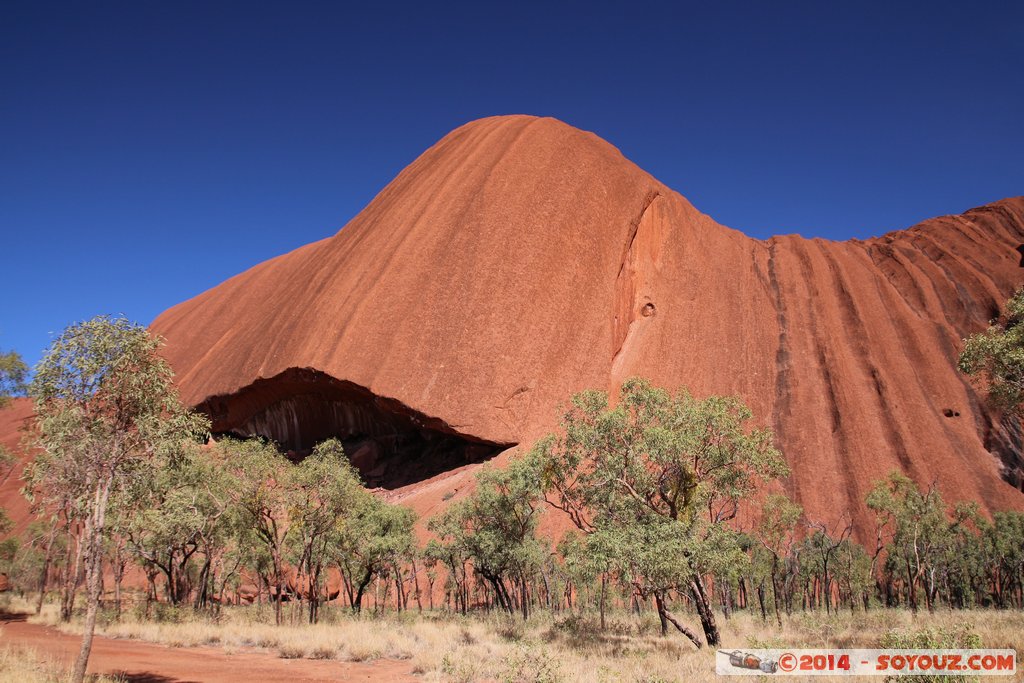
[
  {"x": 1010, "y": 223},
  {"x": 888, "y": 260},
  {"x": 955, "y": 317},
  {"x": 782, "y": 403},
  {"x": 958, "y": 274},
  {"x": 887, "y": 292},
  {"x": 840, "y": 440},
  {"x": 854, "y": 325},
  {"x": 969, "y": 267}
]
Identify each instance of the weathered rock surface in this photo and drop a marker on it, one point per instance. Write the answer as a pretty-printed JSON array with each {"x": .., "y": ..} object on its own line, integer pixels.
[
  {"x": 15, "y": 421},
  {"x": 520, "y": 260}
]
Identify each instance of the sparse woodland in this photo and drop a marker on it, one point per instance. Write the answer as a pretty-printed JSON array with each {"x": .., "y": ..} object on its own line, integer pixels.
[{"x": 665, "y": 494}]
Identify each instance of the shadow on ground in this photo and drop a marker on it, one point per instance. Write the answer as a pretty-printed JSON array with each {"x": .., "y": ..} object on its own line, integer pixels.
[{"x": 144, "y": 677}]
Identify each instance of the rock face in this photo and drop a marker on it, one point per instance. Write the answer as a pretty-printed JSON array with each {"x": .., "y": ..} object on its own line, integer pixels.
[
  {"x": 15, "y": 421},
  {"x": 520, "y": 260}
]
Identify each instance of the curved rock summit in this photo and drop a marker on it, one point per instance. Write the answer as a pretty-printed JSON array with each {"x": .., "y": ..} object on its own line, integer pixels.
[{"x": 520, "y": 260}]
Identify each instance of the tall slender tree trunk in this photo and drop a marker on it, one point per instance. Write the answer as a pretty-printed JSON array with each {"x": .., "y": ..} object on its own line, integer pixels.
[
  {"x": 314, "y": 593},
  {"x": 94, "y": 574},
  {"x": 660, "y": 607},
  {"x": 524, "y": 597},
  {"x": 71, "y": 569},
  {"x": 416, "y": 587},
  {"x": 911, "y": 592},
  {"x": 279, "y": 589},
  {"x": 44, "y": 575},
  {"x": 118, "y": 578},
  {"x": 666, "y": 618},
  {"x": 604, "y": 592},
  {"x": 707, "y": 617},
  {"x": 775, "y": 594}
]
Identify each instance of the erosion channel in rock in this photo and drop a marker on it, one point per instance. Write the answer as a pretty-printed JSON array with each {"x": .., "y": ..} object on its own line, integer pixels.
[{"x": 391, "y": 444}]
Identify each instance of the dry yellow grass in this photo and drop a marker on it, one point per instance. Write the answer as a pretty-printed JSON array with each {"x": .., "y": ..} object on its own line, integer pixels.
[
  {"x": 23, "y": 665},
  {"x": 547, "y": 649}
]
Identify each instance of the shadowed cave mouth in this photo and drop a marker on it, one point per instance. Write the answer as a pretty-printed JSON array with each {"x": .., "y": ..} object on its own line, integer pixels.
[{"x": 391, "y": 444}]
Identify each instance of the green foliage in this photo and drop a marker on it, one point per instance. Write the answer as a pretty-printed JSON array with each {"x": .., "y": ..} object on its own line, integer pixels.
[
  {"x": 323, "y": 489},
  {"x": 324, "y": 485},
  {"x": 655, "y": 454},
  {"x": 962, "y": 636},
  {"x": 853, "y": 570},
  {"x": 957, "y": 637},
  {"x": 367, "y": 538},
  {"x": 180, "y": 506},
  {"x": 654, "y": 481},
  {"x": 8, "y": 552},
  {"x": 997, "y": 356},
  {"x": 495, "y": 527},
  {"x": 999, "y": 555},
  {"x": 372, "y": 537},
  {"x": 919, "y": 529},
  {"x": 953, "y": 553},
  {"x": 13, "y": 373},
  {"x": 105, "y": 410},
  {"x": 777, "y": 527},
  {"x": 259, "y": 490}
]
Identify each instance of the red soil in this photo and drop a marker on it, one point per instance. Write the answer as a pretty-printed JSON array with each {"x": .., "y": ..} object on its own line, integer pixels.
[{"x": 142, "y": 662}]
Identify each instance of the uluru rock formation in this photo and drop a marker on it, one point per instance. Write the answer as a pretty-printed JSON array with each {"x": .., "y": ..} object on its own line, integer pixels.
[
  {"x": 520, "y": 260},
  {"x": 15, "y": 420}
]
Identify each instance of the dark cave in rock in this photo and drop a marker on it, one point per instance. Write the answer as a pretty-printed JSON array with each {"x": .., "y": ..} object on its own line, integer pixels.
[{"x": 391, "y": 444}]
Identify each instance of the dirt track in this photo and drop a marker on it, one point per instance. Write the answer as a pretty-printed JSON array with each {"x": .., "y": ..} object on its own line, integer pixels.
[{"x": 141, "y": 662}]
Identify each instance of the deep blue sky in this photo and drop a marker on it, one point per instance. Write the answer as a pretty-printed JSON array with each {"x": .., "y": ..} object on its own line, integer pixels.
[{"x": 150, "y": 149}]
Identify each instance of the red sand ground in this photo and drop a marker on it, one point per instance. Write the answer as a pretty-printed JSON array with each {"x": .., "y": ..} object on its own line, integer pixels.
[{"x": 142, "y": 662}]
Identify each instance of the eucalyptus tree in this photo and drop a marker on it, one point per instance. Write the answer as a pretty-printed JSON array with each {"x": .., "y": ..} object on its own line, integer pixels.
[
  {"x": 495, "y": 528},
  {"x": 454, "y": 559},
  {"x": 777, "y": 533},
  {"x": 324, "y": 488},
  {"x": 369, "y": 541},
  {"x": 820, "y": 550},
  {"x": 919, "y": 523},
  {"x": 260, "y": 489},
  {"x": 13, "y": 374},
  {"x": 853, "y": 572},
  {"x": 659, "y": 471},
  {"x": 105, "y": 409},
  {"x": 1003, "y": 541},
  {"x": 588, "y": 557},
  {"x": 961, "y": 566},
  {"x": 177, "y": 512},
  {"x": 6, "y": 464},
  {"x": 996, "y": 356}
]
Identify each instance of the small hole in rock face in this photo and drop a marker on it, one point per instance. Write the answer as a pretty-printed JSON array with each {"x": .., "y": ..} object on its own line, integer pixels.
[
  {"x": 949, "y": 412},
  {"x": 1020, "y": 250},
  {"x": 648, "y": 310}
]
